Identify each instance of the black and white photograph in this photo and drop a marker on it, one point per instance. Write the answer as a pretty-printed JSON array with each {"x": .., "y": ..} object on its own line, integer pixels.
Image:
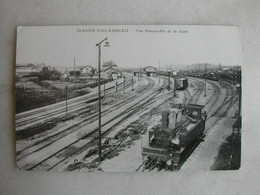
[{"x": 128, "y": 98}]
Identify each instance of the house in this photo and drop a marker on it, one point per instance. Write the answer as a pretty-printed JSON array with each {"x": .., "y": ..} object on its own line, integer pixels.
[
  {"x": 108, "y": 64},
  {"x": 150, "y": 71},
  {"x": 87, "y": 70},
  {"x": 29, "y": 68},
  {"x": 110, "y": 72},
  {"x": 137, "y": 73}
]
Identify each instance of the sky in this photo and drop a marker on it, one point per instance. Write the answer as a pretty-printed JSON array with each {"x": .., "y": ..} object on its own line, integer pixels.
[{"x": 135, "y": 47}]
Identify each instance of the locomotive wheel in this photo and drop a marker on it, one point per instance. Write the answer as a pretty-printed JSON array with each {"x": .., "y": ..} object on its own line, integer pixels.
[
  {"x": 169, "y": 167},
  {"x": 161, "y": 165}
]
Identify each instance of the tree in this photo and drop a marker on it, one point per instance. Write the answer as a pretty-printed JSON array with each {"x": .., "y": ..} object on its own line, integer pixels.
[
  {"x": 77, "y": 73},
  {"x": 47, "y": 74},
  {"x": 92, "y": 72}
]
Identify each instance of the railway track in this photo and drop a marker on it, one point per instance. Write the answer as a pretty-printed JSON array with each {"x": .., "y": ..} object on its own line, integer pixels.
[
  {"x": 29, "y": 118},
  {"x": 147, "y": 165},
  {"x": 87, "y": 136},
  {"x": 105, "y": 154},
  {"x": 150, "y": 164},
  {"x": 230, "y": 99},
  {"x": 194, "y": 98},
  {"x": 188, "y": 98},
  {"x": 90, "y": 140},
  {"x": 93, "y": 142},
  {"x": 58, "y": 134}
]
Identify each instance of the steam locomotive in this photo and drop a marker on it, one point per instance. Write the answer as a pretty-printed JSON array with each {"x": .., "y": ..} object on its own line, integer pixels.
[{"x": 181, "y": 126}]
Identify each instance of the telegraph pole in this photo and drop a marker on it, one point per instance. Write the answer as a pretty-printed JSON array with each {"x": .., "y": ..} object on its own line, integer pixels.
[
  {"x": 66, "y": 91},
  {"x": 205, "y": 95},
  {"x": 99, "y": 102},
  {"x": 174, "y": 91},
  {"x": 104, "y": 88},
  {"x": 99, "y": 97},
  {"x": 169, "y": 80},
  {"x": 159, "y": 72},
  {"x": 140, "y": 74},
  {"x": 124, "y": 84},
  {"x": 132, "y": 83},
  {"x": 74, "y": 72}
]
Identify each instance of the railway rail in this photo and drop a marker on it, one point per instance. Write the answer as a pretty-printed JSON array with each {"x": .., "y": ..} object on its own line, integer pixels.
[
  {"x": 89, "y": 140},
  {"x": 93, "y": 141},
  {"x": 87, "y": 136},
  {"x": 58, "y": 134},
  {"x": 229, "y": 100},
  {"x": 30, "y": 118}
]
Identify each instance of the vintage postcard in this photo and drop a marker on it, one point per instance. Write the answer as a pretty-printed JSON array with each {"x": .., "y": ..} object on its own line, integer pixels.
[{"x": 146, "y": 98}]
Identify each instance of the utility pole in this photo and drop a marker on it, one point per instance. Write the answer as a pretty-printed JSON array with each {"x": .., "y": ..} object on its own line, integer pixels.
[
  {"x": 99, "y": 97},
  {"x": 74, "y": 72},
  {"x": 104, "y": 88},
  {"x": 99, "y": 103},
  {"x": 159, "y": 72},
  {"x": 205, "y": 95},
  {"x": 132, "y": 83},
  {"x": 174, "y": 90},
  {"x": 169, "y": 80},
  {"x": 66, "y": 93},
  {"x": 124, "y": 84},
  {"x": 140, "y": 74}
]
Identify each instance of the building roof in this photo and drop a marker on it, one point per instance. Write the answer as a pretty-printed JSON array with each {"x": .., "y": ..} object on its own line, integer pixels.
[
  {"x": 84, "y": 66},
  {"x": 110, "y": 68},
  {"x": 149, "y": 67},
  {"x": 109, "y": 64},
  {"x": 145, "y": 68},
  {"x": 29, "y": 68}
]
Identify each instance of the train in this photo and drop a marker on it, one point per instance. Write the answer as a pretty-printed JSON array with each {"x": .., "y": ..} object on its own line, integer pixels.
[
  {"x": 181, "y": 83},
  {"x": 181, "y": 127}
]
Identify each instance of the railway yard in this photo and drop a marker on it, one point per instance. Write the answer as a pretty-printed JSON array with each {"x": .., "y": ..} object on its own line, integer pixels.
[{"x": 55, "y": 138}]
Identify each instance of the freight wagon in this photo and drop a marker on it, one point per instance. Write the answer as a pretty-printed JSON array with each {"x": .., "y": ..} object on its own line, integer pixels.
[
  {"x": 181, "y": 83},
  {"x": 181, "y": 126}
]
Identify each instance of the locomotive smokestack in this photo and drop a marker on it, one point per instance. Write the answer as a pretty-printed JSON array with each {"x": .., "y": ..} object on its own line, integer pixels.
[
  {"x": 179, "y": 116},
  {"x": 165, "y": 119},
  {"x": 172, "y": 122}
]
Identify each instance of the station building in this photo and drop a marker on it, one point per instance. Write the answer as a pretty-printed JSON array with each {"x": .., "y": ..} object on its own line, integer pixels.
[{"x": 150, "y": 71}]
